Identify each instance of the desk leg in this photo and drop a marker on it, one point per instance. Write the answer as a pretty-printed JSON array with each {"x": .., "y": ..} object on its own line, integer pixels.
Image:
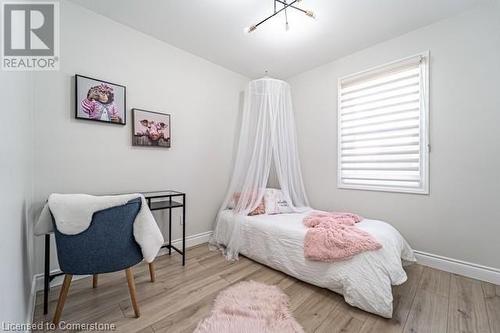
[
  {"x": 184, "y": 230},
  {"x": 46, "y": 277},
  {"x": 170, "y": 228}
]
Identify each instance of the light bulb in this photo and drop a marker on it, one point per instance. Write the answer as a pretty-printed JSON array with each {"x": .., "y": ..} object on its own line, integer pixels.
[
  {"x": 250, "y": 29},
  {"x": 287, "y": 26},
  {"x": 310, "y": 13}
]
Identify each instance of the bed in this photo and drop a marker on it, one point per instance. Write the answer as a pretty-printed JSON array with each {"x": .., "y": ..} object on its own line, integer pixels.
[{"x": 365, "y": 280}]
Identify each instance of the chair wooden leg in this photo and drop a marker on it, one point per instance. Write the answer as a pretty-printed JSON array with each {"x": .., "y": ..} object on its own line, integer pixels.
[
  {"x": 94, "y": 280},
  {"x": 131, "y": 289},
  {"x": 62, "y": 298},
  {"x": 152, "y": 273}
]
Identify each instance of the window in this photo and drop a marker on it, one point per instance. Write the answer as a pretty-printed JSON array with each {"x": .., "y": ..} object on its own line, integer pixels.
[{"x": 383, "y": 128}]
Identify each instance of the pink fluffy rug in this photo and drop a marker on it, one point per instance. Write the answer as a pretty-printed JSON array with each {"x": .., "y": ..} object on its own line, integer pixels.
[{"x": 250, "y": 307}]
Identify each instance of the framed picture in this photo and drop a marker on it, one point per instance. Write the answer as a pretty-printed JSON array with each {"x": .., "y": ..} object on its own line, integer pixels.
[
  {"x": 99, "y": 100},
  {"x": 150, "y": 128}
]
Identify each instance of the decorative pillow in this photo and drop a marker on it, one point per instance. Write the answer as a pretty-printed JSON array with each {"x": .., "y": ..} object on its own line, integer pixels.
[
  {"x": 261, "y": 209},
  {"x": 275, "y": 203}
]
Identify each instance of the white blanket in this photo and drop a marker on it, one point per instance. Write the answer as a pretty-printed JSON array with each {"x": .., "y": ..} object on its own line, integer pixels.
[
  {"x": 365, "y": 280},
  {"x": 73, "y": 215}
]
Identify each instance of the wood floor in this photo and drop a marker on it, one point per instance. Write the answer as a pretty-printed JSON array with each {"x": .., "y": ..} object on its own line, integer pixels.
[{"x": 430, "y": 301}]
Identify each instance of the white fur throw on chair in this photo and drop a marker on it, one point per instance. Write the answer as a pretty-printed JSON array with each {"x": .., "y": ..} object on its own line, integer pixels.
[{"x": 73, "y": 215}]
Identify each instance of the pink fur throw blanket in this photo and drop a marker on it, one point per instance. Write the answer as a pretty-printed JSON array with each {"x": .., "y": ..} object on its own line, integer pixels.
[
  {"x": 250, "y": 307},
  {"x": 335, "y": 237}
]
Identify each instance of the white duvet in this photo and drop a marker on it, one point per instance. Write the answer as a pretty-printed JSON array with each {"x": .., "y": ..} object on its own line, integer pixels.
[{"x": 365, "y": 280}]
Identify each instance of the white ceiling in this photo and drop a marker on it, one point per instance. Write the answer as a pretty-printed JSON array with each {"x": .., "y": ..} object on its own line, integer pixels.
[{"x": 214, "y": 29}]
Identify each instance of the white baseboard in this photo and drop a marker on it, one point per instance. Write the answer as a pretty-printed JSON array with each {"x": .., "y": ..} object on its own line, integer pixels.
[
  {"x": 191, "y": 241},
  {"x": 30, "y": 312},
  {"x": 446, "y": 264},
  {"x": 56, "y": 282},
  {"x": 479, "y": 272},
  {"x": 37, "y": 282}
]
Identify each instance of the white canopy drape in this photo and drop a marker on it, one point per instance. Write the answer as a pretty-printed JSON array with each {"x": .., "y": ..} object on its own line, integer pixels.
[{"x": 267, "y": 144}]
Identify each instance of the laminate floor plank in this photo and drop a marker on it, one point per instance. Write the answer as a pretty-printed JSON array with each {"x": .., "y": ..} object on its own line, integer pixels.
[
  {"x": 168, "y": 303},
  {"x": 298, "y": 292},
  {"x": 435, "y": 281},
  {"x": 343, "y": 318},
  {"x": 492, "y": 300},
  {"x": 187, "y": 318},
  {"x": 315, "y": 309},
  {"x": 429, "y": 301},
  {"x": 403, "y": 296},
  {"x": 428, "y": 314},
  {"x": 467, "y": 310}
]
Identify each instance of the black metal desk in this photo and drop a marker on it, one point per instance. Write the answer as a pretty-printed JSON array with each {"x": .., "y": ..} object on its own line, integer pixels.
[{"x": 155, "y": 202}]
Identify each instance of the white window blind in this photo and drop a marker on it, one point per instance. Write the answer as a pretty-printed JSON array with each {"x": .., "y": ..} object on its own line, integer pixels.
[{"x": 383, "y": 129}]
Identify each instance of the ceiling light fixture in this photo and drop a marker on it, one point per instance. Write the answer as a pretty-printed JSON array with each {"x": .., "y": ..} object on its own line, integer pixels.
[{"x": 284, "y": 9}]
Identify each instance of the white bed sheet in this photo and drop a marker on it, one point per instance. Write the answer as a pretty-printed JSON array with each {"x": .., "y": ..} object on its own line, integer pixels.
[{"x": 365, "y": 280}]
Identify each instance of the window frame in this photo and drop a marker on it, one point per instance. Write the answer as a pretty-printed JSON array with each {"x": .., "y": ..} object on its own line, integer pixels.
[{"x": 425, "y": 146}]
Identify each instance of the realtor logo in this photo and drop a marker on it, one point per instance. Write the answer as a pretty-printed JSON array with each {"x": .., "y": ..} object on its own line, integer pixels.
[{"x": 30, "y": 36}]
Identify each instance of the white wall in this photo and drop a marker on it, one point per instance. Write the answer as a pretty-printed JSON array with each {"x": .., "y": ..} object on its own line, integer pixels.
[
  {"x": 81, "y": 156},
  {"x": 461, "y": 217},
  {"x": 16, "y": 190}
]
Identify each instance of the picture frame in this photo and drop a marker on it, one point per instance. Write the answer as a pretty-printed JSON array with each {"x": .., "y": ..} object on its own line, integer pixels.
[
  {"x": 99, "y": 100},
  {"x": 151, "y": 129}
]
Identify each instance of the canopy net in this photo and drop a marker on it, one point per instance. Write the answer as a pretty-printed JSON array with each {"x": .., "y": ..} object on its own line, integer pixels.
[{"x": 267, "y": 155}]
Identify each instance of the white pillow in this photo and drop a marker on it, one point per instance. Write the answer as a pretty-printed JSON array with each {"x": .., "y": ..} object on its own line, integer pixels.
[{"x": 275, "y": 203}]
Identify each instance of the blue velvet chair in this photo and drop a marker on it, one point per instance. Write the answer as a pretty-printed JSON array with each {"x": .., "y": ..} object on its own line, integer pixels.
[{"x": 108, "y": 245}]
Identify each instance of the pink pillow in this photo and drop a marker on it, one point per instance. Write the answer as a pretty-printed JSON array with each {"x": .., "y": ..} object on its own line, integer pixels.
[{"x": 261, "y": 208}]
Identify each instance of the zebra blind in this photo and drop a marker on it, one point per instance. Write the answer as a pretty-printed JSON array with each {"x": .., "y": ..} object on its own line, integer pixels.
[{"x": 382, "y": 128}]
